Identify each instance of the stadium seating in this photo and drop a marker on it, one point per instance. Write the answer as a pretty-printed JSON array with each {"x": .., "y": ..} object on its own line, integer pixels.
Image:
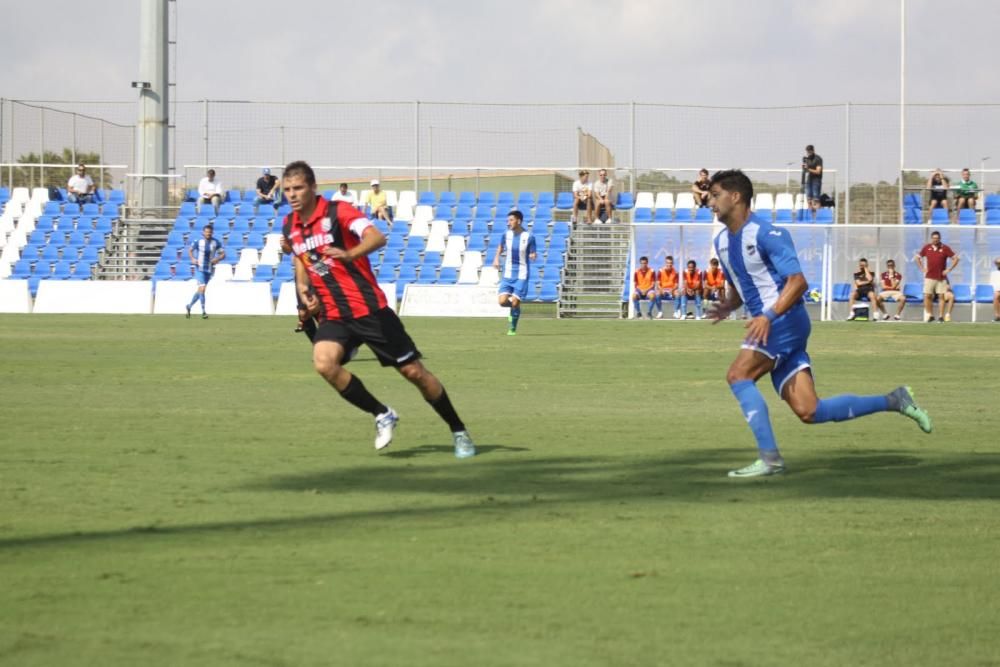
[{"x": 966, "y": 216}]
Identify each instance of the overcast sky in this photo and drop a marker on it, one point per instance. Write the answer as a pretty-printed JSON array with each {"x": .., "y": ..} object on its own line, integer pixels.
[{"x": 723, "y": 52}]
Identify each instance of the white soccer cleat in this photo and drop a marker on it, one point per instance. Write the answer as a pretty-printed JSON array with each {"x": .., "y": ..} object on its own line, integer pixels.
[
  {"x": 659, "y": 315},
  {"x": 385, "y": 426}
]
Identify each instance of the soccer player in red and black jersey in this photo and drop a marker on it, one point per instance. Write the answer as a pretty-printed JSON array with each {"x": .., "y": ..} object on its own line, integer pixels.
[{"x": 330, "y": 242}]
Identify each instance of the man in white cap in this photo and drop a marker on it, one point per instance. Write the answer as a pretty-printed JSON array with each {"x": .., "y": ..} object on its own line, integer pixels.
[
  {"x": 267, "y": 189},
  {"x": 378, "y": 204}
]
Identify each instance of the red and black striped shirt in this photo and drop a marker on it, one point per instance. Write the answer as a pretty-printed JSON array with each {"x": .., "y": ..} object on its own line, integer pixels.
[{"x": 346, "y": 290}]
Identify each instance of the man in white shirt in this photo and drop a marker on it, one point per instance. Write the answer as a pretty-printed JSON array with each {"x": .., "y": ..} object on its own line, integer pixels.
[
  {"x": 80, "y": 187},
  {"x": 603, "y": 197},
  {"x": 343, "y": 194},
  {"x": 995, "y": 282},
  {"x": 582, "y": 197},
  {"x": 210, "y": 190}
]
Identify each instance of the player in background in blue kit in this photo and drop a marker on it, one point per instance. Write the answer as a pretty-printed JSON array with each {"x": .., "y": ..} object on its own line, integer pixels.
[
  {"x": 205, "y": 253},
  {"x": 519, "y": 246},
  {"x": 761, "y": 265}
]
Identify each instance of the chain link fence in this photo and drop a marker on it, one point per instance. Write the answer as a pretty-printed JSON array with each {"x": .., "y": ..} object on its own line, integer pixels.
[{"x": 429, "y": 145}]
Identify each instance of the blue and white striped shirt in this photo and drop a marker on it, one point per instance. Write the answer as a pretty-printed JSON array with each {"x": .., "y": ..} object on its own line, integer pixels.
[
  {"x": 758, "y": 260},
  {"x": 519, "y": 248},
  {"x": 204, "y": 251}
]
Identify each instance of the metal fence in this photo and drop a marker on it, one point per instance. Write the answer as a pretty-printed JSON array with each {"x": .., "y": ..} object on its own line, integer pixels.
[{"x": 859, "y": 142}]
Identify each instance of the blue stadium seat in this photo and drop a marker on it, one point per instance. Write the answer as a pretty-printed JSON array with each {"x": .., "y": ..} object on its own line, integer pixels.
[
  {"x": 426, "y": 198},
  {"x": 51, "y": 252},
  {"x": 249, "y": 196},
  {"x": 993, "y": 216},
  {"x": 543, "y": 213},
  {"x": 549, "y": 292},
  {"x": 447, "y": 199},
  {"x": 463, "y": 212},
  {"x": 97, "y": 240},
  {"x": 466, "y": 198},
  {"x": 227, "y": 210},
  {"x": 411, "y": 256},
  {"x": 181, "y": 225},
  {"x": 912, "y": 216},
  {"x": 483, "y": 212},
  {"x": 939, "y": 216},
  {"x": 706, "y": 215},
  {"x": 783, "y": 215},
  {"x": 841, "y": 292},
  {"x": 626, "y": 202},
  {"x": 111, "y": 208},
  {"x": 90, "y": 209},
  {"x": 966, "y": 216},
  {"x": 255, "y": 240},
  {"x": 396, "y": 242},
  {"x": 643, "y": 215},
  {"x": 46, "y": 223},
  {"x": 240, "y": 225},
  {"x": 680, "y": 215},
  {"x": 984, "y": 293},
  {"x": 263, "y": 274},
  {"x": 443, "y": 212},
  {"x": 90, "y": 254},
  {"x": 276, "y": 287},
  {"x": 281, "y": 212},
  {"x": 22, "y": 269},
  {"x": 447, "y": 276},
  {"x": 187, "y": 210},
  {"x": 51, "y": 208},
  {"x": 763, "y": 216},
  {"x": 43, "y": 267},
  {"x": 488, "y": 199},
  {"x": 399, "y": 228},
  {"x": 38, "y": 237},
  {"x": 116, "y": 196},
  {"x": 505, "y": 200},
  {"x": 407, "y": 272},
  {"x": 824, "y": 215},
  {"x": 62, "y": 270},
  {"x": 476, "y": 242},
  {"x": 912, "y": 200},
  {"x": 33, "y": 284},
  {"x": 560, "y": 229},
  {"x": 963, "y": 293},
  {"x": 564, "y": 201},
  {"x": 176, "y": 238},
  {"x": 77, "y": 239},
  {"x": 525, "y": 200},
  {"x": 913, "y": 292},
  {"x": 234, "y": 196},
  {"x": 433, "y": 258},
  {"x": 285, "y": 271}
]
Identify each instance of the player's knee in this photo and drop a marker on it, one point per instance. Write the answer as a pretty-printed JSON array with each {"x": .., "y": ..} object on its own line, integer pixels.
[
  {"x": 414, "y": 372},
  {"x": 734, "y": 375},
  {"x": 805, "y": 411}
]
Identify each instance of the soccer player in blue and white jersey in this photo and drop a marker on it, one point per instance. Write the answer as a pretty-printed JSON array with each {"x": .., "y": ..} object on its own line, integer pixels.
[
  {"x": 519, "y": 247},
  {"x": 205, "y": 253},
  {"x": 761, "y": 265}
]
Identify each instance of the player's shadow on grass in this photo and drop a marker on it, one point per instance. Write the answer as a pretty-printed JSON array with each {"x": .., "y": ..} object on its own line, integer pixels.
[
  {"x": 424, "y": 450},
  {"x": 523, "y": 483}
]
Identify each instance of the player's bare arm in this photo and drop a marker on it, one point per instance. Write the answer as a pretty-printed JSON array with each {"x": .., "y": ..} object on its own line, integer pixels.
[
  {"x": 371, "y": 240},
  {"x": 731, "y": 301},
  {"x": 302, "y": 284},
  {"x": 953, "y": 263},
  {"x": 759, "y": 327}
]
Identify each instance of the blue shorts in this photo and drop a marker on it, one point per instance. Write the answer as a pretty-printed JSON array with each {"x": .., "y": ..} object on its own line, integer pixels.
[
  {"x": 644, "y": 296},
  {"x": 814, "y": 186},
  {"x": 518, "y": 288},
  {"x": 203, "y": 277},
  {"x": 786, "y": 345}
]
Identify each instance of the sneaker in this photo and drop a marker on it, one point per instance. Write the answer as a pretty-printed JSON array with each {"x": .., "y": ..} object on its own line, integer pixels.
[
  {"x": 677, "y": 314},
  {"x": 902, "y": 399},
  {"x": 299, "y": 328},
  {"x": 896, "y": 317},
  {"x": 947, "y": 317},
  {"x": 188, "y": 309},
  {"x": 659, "y": 315},
  {"x": 385, "y": 425},
  {"x": 511, "y": 332},
  {"x": 464, "y": 447},
  {"x": 928, "y": 318},
  {"x": 851, "y": 317},
  {"x": 760, "y": 468},
  {"x": 204, "y": 316},
  {"x": 996, "y": 319},
  {"x": 885, "y": 316}
]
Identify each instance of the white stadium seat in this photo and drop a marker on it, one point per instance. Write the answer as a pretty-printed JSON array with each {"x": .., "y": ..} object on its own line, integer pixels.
[
  {"x": 20, "y": 195},
  {"x": 764, "y": 202},
  {"x": 40, "y": 195},
  {"x": 249, "y": 256},
  {"x": 784, "y": 201},
  {"x": 453, "y": 251},
  {"x": 420, "y": 227},
  {"x": 407, "y": 198},
  {"x": 390, "y": 199},
  {"x": 468, "y": 275},
  {"x": 489, "y": 276},
  {"x": 270, "y": 256},
  {"x": 644, "y": 200},
  {"x": 423, "y": 212},
  {"x": 403, "y": 212},
  {"x": 664, "y": 201},
  {"x": 684, "y": 200},
  {"x": 223, "y": 272}
]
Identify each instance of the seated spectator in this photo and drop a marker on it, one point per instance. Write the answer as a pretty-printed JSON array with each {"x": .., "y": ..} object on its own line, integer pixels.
[
  {"x": 966, "y": 191},
  {"x": 583, "y": 199},
  {"x": 864, "y": 288},
  {"x": 268, "y": 191},
  {"x": 700, "y": 189},
  {"x": 694, "y": 286},
  {"x": 343, "y": 194},
  {"x": 80, "y": 188},
  {"x": 644, "y": 288},
  {"x": 667, "y": 282},
  {"x": 995, "y": 283},
  {"x": 210, "y": 190},
  {"x": 715, "y": 282},
  {"x": 891, "y": 286},
  {"x": 603, "y": 193},
  {"x": 938, "y": 185},
  {"x": 378, "y": 203}
]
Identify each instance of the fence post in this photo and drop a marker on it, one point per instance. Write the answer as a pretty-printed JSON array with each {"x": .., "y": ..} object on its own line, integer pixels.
[
  {"x": 416, "y": 146},
  {"x": 73, "y": 147},
  {"x": 847, "y": 164},
  {"x": 41, "y": 151},
  {"x": 631, "y": 157},
  {"x": 204, "y": 154}
]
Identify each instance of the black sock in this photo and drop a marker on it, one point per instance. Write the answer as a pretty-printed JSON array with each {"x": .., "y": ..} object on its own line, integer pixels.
[
  {"x": 356, "y": 394},
  {"x": 442, "y": 405}
]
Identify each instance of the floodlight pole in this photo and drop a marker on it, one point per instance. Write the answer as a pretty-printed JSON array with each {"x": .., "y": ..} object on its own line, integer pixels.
[
  {"x": 902, "y": 100},
  {"x": 151, "y": 150}
]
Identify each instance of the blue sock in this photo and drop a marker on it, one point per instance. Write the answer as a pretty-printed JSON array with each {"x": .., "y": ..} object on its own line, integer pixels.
[
  {"x": 684, "y": 305},
  {"x": 848, "y": 406},
  {"x": 755, "y": 412},
  {"x": 637, "y": 307},
  {"x": 515, "y": 313},
  {"x": 201, "y": 297},
  {"x": 651, "y": 304},
  {"x": 194, "y": 299},
  {"x": 697, "y": 305},
  {"x": 659, "y": 303}
]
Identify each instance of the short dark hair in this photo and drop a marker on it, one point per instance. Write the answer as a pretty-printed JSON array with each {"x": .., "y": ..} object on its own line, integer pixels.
[
  {"x": 208, "y": 227},
  {"x": 691, "y": 261},
  {"x": 714, "y": 260},
  {"x": 670, "y": 257},
  {"x": 516, "y": 213},
  {"x": 644, "y": 259},
  {"x": 863, "y": 259},
  {"x": 935, "y": 233},
  {"x": 211, "y": 172},
  {"x": 810, "y": 148},
  {"x": 891, "y": 261},
  {"x": 343, "y": 185},
  {"x": 734, "y": 180},
  {"x": 302, "y": 168}
]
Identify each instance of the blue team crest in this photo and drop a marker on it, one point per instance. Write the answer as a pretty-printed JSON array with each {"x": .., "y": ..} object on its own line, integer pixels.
[
  {"x": 326, "y": 224},
  {"x": 751, "y": 249}
]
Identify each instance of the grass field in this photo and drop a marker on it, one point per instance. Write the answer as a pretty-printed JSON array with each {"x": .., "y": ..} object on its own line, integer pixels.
[{"x": 170, "y": 494}]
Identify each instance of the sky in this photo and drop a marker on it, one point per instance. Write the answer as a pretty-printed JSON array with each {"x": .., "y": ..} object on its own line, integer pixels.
[{"x": 718, "y": 53}]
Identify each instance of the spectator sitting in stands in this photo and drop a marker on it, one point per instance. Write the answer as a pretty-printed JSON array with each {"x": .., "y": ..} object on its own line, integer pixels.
[
  {"x": 995, "y": 283},
  {"x": 583, "y": 199},
  {"x": 667, "y": 282},
  {"x": 700, "y": 189},
  {"x": 378, "y": 203},
  {"x": 715, "y": 282},
  {"x": 343, "y": 194},
  {"x": 80, "y": 188},
  {"x": 938, "y": 185},
  {"x": 603, "y": 190},
  {"x": 966, "y": 192},
  {"x": 268, "y": 191},
  {"x": 644, "y": 288},
  {"x": 891, "y": 284},
  {"x": 210, "y": 190},
  {"x": 694, "y": 286},
  {"x": 864, "y": 288}
]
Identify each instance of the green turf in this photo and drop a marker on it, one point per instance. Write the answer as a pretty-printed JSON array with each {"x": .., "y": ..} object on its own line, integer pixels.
[{"x": 181, "y": 492}]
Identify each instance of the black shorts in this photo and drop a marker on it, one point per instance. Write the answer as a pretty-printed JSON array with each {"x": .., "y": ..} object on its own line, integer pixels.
[
  {"x": 939, "y": 195},
  {"x": 580, "y": 205},
  {"x": 865, "y": 290},
  {"x": 382, "y": 331}
]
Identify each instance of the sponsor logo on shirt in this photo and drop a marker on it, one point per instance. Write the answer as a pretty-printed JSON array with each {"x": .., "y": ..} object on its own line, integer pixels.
[{"x": 312, "y": 242}]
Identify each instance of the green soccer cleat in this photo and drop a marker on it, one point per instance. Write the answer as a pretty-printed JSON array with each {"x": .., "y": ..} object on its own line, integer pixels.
[
  {"x": 511, "y": 332},
  {"x": 464, "y": 447},
  {"x": 901, "y": 399},
  {"x": 760, "y": 468}
]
